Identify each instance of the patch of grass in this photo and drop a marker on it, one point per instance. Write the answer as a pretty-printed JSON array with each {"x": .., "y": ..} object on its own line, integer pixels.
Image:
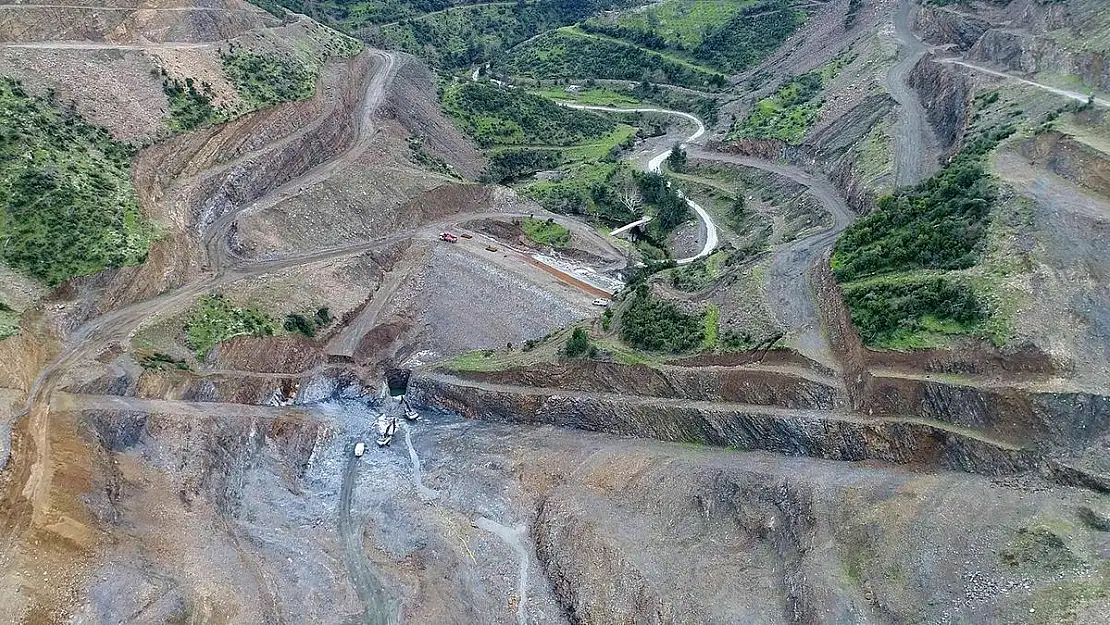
[
  {"x": 787, "y": 115},
  {"x": 1038, "y": 547},
  {"x": 656, "y": 325},
  {"x": 594, "y": 96},
  {"x": 9, "y": 321},
  {"x": 479, "y": 360},
  {"x": 160, "y": 360},
  {"x": 546, "y": 232},
  {"x": 712, "y": 328},
  {"x": 266, "y": 80},
  {"x": 67, "y": 207},
  {"x": 213, "y": 320}
]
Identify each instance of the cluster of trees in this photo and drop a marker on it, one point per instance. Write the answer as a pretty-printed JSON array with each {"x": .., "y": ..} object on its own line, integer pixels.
[
  {"x": 495, "y": 115},
  {"x": 657, "y": 325},
  {"x": 191, "y": 107},
  {"x": 508, "y": 165},
  {"x": 67, "y": 207},
  {"x": 296, "y": 322},
  {"x": 671, "y": 208},
  {"x": 889, "y": 312},
  {"x": 704, "y": 108},
  {"x": 561, "y": 54},
  {"x": 938, "y": 224},
  {"x": 736, "y": 44},
  {"x": 579, "y": 344}
]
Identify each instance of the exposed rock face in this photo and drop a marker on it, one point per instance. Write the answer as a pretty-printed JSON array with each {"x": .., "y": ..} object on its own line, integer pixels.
[
  {"x": 946, "y": 95},
  {"x": 1025, "y": 36},
  {"x": 1067, "y": 157},
  {"x": 815, "y": 434}
]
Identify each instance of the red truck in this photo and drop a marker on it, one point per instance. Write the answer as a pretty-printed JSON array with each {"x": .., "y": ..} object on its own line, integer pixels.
[{"x": 447, "y": 236}]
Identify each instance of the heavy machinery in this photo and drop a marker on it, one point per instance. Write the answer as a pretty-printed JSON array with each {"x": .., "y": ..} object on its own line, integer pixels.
[
  {"x": 387, "y": 427},
  {"x": 410, "y": 414}
]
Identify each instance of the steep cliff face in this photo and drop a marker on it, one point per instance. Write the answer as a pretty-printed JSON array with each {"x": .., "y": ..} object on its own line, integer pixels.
[
  {"x": 723, "y": 384},
  {"x": 1026, "y": 36},
  {"x": 1068, "y": 157},
  {"x": 946, "y": 93},
  {"x": 816, "y": 434}
]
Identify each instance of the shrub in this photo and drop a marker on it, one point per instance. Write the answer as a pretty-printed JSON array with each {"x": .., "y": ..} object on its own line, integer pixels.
[
  {"x": 67, "y": 206},
  {"x": 296, "y": 322},
  {"x": 901, "y": 312},
  {"x": 578, "y": 344}
]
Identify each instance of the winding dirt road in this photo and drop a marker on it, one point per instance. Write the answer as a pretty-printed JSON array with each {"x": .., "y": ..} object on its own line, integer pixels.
[
  {"x": 1073, "y": 95},
  {"x": 789, "y": 283},
  {"x": 915, "y": 147},
  {"x": 710, "y": 236}
]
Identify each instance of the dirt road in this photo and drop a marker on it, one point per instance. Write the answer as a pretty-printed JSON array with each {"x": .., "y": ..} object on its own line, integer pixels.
[
  {"x": 1073, "y": 95},
  {"x": 789, "y": 283},
  {"x": 915, "y": 151},
  {"x": 377, "y": 608},
  {"x": 215, "y": 241}
]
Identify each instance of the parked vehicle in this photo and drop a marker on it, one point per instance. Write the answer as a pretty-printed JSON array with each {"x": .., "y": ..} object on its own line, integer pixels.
[
  {"x": 601, "y": 302},
  {"x": 360, "y": 448},
  {"x": 447, "y": 236}
]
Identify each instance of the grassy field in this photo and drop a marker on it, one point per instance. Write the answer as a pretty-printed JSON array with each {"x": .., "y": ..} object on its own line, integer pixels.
[
  {"x": 546, "y": 232},
  {"x": 596, "y": 96},
  {"x": 67, "y": 207}
]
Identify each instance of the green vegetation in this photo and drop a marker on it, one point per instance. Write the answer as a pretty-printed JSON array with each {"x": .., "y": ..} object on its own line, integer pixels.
[
  {"x": 467, "y": 36},
  {"x": 591, "y": 96},
  {"x": 898, "y": 264},
  {"x": 938, "y": 224},
  {"x": 546, "y": 232},
  {"x": 712, "y": 323},
  {"x": 584, "y": 189},
  {"x": 159, "y": 360},
  {"x": 190, "y": 107},
  {"x": 700, "y": 273},
  {"x": 571, "y": 53},
  {"x": 790, "y": 112},
  {"x": 1038, "y": 547},
  {"x": 265, "y": 80},
  {"x": 213, "y": 319},
  {"x": 913, "y": 312},
  {"x": 657, "y": 325},
  {"x": 494, "y": 115},
  {"x": 671, "y": 209},
  {"x": 307, "y": 324},
  {"x": 726, "y": 35},
  {"x": 787, "y": 114},
  {"x": 578, "y": 344},
  {"x": 676, "y": 160},
  {"x": 67, "y": 207},
  {"x": 9, "y": 321}
]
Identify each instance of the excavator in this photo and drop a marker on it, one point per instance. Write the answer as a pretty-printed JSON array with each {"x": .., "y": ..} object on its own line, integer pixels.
[{"x": 387, "y": 427}]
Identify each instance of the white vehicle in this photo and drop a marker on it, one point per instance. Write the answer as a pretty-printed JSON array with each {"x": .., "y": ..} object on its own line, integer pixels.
[
  {"x": 601, "y": 302},
  {"x": 360, "y": 448}
]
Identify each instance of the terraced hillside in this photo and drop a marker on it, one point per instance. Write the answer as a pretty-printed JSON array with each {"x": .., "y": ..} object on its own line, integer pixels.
[{"x": 554, "y": 311}]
